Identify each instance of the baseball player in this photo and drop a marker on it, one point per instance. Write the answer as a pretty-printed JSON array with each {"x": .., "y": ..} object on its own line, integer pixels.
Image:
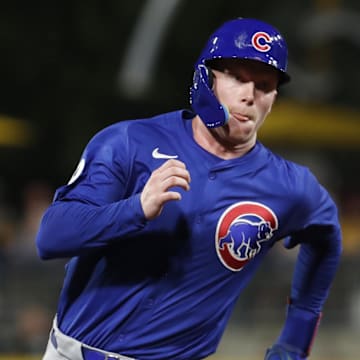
[{"x": 166, "y": 219}]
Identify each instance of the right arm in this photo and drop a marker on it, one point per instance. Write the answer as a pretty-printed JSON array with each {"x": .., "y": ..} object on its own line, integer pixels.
[
  {"x": 88, "y": 214},
  {"x": 70, "y": 228}
]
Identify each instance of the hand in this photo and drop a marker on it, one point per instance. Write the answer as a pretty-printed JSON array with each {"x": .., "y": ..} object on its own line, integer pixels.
[
  {"x": 156, "y": 191},
  {"x": 278, "y": 352}
]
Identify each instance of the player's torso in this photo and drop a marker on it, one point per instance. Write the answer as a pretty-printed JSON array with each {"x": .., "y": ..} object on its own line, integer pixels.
[
  {"x": 183, "y": 272},
  {"x": 236, "y": 204}
]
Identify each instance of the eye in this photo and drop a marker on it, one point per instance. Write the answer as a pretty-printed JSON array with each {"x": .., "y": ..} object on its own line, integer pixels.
[
  {"x": 233, "y": 75},
  {"x": 265, "y": 86},
  {"x": 262, "y": 85}
]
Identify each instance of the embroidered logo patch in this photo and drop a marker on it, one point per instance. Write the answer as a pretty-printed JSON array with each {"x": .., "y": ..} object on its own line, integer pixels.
[{"x": 241, "y": 231}]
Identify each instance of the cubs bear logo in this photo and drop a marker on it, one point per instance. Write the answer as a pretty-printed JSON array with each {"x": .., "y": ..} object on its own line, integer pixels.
[{"x": 240, "y": 232}]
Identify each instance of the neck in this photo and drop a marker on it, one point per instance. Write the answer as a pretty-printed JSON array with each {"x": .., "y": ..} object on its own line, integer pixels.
[{"x": 217, "y": 145}]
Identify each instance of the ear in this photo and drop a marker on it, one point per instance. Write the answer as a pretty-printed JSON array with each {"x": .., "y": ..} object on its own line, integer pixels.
[
  {"x": 276, "y": 92},
  {"x": 273, "y": 101}
]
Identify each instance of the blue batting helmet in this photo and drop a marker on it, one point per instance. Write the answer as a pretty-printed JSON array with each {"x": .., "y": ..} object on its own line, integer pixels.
[{"x": 238, "y": 39}]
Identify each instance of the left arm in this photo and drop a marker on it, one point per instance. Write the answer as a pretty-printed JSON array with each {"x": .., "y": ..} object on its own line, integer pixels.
[
  {"x": 316, "y": 265},
  {"x": 314, "y": 273}
]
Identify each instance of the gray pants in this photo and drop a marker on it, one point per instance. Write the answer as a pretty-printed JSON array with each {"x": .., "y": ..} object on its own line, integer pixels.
[
  {"x": 69, "y": 348},
  {"x": 52, "y": 354}
]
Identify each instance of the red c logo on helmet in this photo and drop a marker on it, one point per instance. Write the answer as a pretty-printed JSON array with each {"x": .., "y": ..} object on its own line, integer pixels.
[{"x": 260, "y": 41}]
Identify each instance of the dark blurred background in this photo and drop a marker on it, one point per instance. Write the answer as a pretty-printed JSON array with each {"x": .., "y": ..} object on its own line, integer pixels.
[{"x": 69, "y": 68}]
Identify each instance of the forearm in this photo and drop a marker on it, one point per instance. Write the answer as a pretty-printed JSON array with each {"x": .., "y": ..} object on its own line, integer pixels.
[
  {"x": 314, "y": 273},
  {"x": 70, "y": 228}
]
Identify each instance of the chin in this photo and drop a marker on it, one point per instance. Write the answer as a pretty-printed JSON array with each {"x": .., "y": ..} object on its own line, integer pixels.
[{"x": 242, "y": 131}]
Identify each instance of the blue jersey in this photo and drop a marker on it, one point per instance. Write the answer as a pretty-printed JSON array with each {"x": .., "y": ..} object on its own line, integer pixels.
[{"x": 165, "y": 288}]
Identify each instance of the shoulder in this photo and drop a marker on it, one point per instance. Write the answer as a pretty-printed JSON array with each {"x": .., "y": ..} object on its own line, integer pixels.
[
  {"x": 126, "y": 130},
  {"x": 297, "y": 181},
  {"x": 309, "y": 194},
  {"x": 120, "y": 135},
  {"x": 292, "y": 173}
]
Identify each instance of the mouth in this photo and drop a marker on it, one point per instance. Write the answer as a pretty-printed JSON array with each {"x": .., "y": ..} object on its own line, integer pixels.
[{"x": 241, "y": 117}]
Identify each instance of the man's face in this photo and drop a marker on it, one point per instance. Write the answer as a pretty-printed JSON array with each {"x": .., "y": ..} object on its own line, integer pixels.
[{"x": 248, "y": 89}]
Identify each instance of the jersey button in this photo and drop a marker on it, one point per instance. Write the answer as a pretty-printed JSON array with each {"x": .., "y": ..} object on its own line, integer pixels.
[{"x": 212, "y": 175}]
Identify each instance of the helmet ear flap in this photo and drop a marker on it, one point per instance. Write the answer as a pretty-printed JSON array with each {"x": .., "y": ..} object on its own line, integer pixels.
[
  {"x": 203, "y": 99},
  {"x": 206, "y": 75}
]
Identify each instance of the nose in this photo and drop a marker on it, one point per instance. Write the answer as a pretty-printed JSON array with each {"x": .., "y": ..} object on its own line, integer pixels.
[{"x": 247, "y": 92}]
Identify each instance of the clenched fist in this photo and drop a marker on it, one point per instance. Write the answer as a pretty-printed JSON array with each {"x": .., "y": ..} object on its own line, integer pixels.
[{"x": 156, "y": 190}]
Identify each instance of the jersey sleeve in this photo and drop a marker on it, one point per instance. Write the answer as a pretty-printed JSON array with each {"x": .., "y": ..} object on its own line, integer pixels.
[
  {"x": 95, "y": 208},
  {"x": 319, "y": 236}
]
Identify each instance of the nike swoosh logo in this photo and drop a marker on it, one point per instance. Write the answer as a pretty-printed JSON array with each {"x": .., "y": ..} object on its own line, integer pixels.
[{"x": 158, "y": 155}]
